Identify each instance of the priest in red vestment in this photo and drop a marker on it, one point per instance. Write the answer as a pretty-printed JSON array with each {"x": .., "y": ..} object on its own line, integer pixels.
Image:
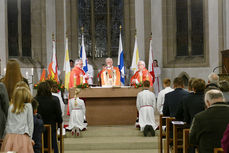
[
  {"x": 110, "y": 75},
  {"x": 77, "y": 75},
  {"x": 141, "y": 75}
]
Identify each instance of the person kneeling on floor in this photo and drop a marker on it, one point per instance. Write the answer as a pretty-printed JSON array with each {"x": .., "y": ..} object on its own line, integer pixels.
[{"x": 146, "y": 103}]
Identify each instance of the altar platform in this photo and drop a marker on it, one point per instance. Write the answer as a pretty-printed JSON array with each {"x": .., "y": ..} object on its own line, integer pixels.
[{"x": 109, "y": 106}]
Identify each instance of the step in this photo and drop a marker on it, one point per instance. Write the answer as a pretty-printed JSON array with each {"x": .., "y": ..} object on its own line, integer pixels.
[
  {"x": 110, "y": 143},
  {"x": 115, "y": 151}
]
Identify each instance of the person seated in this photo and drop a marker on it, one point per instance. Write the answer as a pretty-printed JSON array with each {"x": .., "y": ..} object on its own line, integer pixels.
[
  {"x": 161, "y": 95},
  {"x": 208, "y": 126},
  {"x": 77, "y": 112},
  {"x": 141, "y": 75},
  {"x": 38, "y": 127},
  {"x": 77, "y": 75},
  {"x": 213, "y": 80},
  {"x": 173, "y": 100},
  {"x": 146, "y": 103},
  {"x": 225, "y": 140},
  {"x": 224, "y": 87},
  {"x": 110, "y": 75},
  {"x": 194, "y": 102}
]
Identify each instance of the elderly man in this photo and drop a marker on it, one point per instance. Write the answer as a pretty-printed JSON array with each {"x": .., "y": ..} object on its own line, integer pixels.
[
  {"x": 146, "y": 104},
  {"x": 141, "y": 75},
  {"x": 213, "y": 80},
  {"x": 208, "y": 126},
  {"x": 110, "y": 75},
  {"x": 77, "y": 75}
]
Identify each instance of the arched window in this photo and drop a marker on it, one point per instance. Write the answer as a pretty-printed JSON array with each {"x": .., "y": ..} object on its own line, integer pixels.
[
  {"x": 101, "y": 20},
  {"x": 185, "y": 33}
]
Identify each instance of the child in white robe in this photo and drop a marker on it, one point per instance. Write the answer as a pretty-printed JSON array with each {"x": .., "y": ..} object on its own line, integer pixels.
[{"x": 77, "y": 112}]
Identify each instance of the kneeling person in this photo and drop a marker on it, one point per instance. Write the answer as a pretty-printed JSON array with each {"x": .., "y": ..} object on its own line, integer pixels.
[
  {"x": 146, "y": 102},
  {"x": 77, "y": 112}
]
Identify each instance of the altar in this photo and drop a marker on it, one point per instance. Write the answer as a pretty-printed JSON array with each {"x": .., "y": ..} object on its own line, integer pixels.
[{"x": 109, "y": 106}]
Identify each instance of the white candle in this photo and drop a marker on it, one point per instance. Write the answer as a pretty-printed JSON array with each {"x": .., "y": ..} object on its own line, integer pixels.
[
  {"x": 4, "y": 71},
  {"x": 32, "y": 71},
  {"x": 27, "y": 75}
]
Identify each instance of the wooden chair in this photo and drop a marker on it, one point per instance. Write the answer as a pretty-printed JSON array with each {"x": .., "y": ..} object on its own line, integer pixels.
[
  {"x": 168, "y": 140},
  {"x": 178, "y": 127},
  {"x": 48, "y": 130},
  {"x": 161, "y": 132},
  {"x": 218, "y": 150},
  {"x": 60, "y": 139},
  {"x": 185, "y": 140}
]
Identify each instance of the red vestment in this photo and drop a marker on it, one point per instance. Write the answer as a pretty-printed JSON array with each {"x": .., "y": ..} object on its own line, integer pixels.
[{"x": 141, "y": 76}]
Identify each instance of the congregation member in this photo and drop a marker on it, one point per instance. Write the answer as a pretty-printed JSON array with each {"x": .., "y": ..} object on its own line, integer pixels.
[
  {"x": 190, "y": 88},
  {"x": 90, "y": 73},
  {"x": 4, "y": 105},
  {"x": 173, "y": 99},
  {"x": 110, "y": 75},
  {"x": 194, "y": 102},
  {"x": 146, "y": 104},
  {"x": 12, "y": 77},
  {"x": 224, "y": 87},
  {"x": 77, "y": 112},
  {"x": 141, "y": 75},
  {"x": 49, "y": 109},
  {"x": 213, "y": 80},
  {"x": 225, "y": 140},
  {"x": 161, "y": 94},
  {"x": 77, "y": 75},
  {"x": 71, "y": 64},
  {"x": 38, "y": 127},
  {"x": 208, "y": 126},
  {"x": 19, "y": 125},
  {"x": 157, "y": 83}
]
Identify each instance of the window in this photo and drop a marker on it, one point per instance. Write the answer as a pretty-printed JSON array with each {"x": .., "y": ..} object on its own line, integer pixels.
[
  {"x": 184, "y": 33},
  {"x": 101, "y": 20},
  {"x": 19, "y": 28}
]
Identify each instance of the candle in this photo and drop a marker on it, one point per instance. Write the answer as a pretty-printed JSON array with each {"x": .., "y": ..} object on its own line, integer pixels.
[
  {"x": 32, "y": 71},
  {"x": 27, "y": 75},
  {"x": 4, "y": 71}
]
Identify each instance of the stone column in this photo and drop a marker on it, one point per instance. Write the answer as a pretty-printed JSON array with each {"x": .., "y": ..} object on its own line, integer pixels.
[
  {"x": 50, "y": 27},
  {"x": 147, "y": 28},
  {"x": 156, "y": 29},
  {"x": 3, "y": 36},
  {"x": 73, "y": 39},
  {"x": 139, "y": 18},
  {"x": 60, "y": 33}
]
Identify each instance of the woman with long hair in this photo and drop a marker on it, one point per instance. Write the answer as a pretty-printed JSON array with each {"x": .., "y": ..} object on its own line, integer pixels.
[
  {"x": 19, "y": 125},
  {"x": 12, "y": 77}
]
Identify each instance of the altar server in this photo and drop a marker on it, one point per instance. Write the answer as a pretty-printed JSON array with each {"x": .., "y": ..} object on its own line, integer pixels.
[
  {"x": 141, "y": 75},
  {"x": 146, "y": 104},
  {"x": 77, "y": 75},
  {"x": 110, "y": 75},
  {"x": 77, "y": 112}
]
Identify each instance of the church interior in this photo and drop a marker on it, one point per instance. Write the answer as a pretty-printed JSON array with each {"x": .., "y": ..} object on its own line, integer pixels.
[{"x": 187, "y": 38}]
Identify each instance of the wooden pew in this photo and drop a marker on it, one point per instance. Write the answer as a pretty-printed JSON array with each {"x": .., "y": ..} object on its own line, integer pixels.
[
  {"x": 185, "y": 140},
  {"x": 163, "y": 120},
  {"x": 178, "y": 127},
  {"x": 168, "y": 140},
  {"x": 60, "y": 139},
  {"x": 218, "y": 150},
  {"x": 48, "y": 130}
]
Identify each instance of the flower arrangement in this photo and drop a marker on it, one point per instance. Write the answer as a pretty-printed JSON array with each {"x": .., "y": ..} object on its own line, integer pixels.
[
  {"x": 59, "y": 86},
  {"x": 138, "y": 85},
  {"x": 84, "y": 85}
]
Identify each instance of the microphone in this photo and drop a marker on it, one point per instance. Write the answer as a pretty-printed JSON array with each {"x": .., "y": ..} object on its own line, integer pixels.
[{"x": 223, "y": 66}]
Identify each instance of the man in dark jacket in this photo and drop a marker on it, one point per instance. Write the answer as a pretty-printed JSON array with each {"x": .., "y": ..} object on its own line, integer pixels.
[
  {"x": 208, "y": 126},
  {"x": 174, "y": 99}
]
